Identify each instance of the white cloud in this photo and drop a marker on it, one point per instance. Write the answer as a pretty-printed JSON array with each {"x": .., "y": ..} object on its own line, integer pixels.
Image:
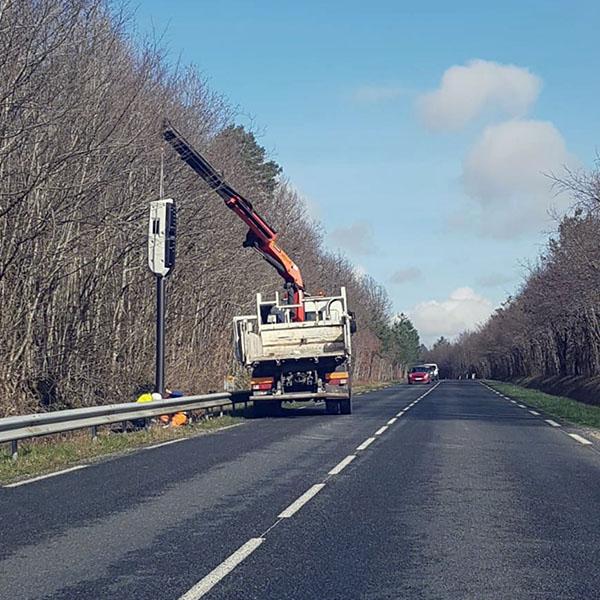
[
  {"x": 506, "y": 174},
  {"x": 405, "y": 275},
  {"x": 467, "y": 91},
  {"x": 461, "y": 311},
  {"x": 356, "y": 238},
  {"x": 374, "y": 94}
]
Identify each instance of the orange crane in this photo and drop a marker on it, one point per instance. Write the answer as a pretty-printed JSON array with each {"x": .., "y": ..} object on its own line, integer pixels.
[{"x": 261, "y": 236}]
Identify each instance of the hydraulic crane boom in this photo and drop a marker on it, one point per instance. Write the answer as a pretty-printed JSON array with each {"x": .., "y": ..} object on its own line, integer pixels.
[{"x": 261, "y": 236}]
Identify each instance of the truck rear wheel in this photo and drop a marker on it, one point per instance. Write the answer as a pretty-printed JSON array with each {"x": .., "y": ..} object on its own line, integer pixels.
[
  {"x": 346, "y": 406},
  {"x": 332, "y": 407}
]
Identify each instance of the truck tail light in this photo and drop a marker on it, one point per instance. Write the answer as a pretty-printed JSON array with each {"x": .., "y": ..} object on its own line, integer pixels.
[
  {"x": 337, "y": 378},
  {"x": 261, "y": 383}
]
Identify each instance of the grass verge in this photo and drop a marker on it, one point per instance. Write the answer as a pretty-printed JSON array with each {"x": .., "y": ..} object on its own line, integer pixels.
[
  {"x": 373, "y": 387},
  {"x": 45, "y": 455},
  {"x": 557, "y": 406}
]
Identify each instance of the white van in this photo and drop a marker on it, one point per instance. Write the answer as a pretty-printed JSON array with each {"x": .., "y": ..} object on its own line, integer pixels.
[{"x": 435, "y": 370}]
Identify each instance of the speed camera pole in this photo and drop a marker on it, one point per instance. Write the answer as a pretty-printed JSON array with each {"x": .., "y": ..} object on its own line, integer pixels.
[
  {"x": 162, "y": 232},
  {"x": 159, "y": 371}
]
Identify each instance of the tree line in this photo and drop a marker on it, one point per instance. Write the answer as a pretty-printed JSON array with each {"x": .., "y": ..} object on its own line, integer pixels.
[
  {"x": 551, "y": 327},
  {"x": 81, "y": 110}
]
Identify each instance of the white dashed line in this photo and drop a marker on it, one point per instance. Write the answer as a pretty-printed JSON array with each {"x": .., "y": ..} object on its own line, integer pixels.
[
  {"x": 296, "y": 505},
  {"x": 366, "y": 444},
  {"x": 400, "y": 413},
  {"x": 521, "y": 406},
  {"x": 514, "y": 401},
  {"x": 392, "y": 421},
  {"x": 535, "y": 414},
  {"x": 206, "y": 584},
  {"x": 381, "y": 430},
  {"x": 342, "y": 465},
  {"x": 580, "y": 439},
  {"x": 551, "y": 422},
  {"x": 40, "y": 477}
]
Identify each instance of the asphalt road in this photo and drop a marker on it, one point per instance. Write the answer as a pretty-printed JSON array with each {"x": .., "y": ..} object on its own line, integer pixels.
[{"x": 461, "y": 495}]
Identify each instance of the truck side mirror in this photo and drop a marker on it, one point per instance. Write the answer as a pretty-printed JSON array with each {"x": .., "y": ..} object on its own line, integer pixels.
[{"x": 353, "y": 327}]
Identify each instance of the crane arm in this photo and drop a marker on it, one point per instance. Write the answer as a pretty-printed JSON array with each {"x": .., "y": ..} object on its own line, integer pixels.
[{"x": 261, "y": 236}]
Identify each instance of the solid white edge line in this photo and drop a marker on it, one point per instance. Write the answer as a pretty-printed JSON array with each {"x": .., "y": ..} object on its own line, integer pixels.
[
  {"x": 551, "y": 422},
  {"x": 392, "y": 421},
  {"x": 230, "y": 563},
  {"x": 165, "y": 443},
  {"x": 381, "y": 430},
  {"x": 580, "y": 439},
  {"x": 535, "y": 414},
  {"x": 342, "y": 465},
  {"x": 47, "y": 476},
  {"x": 366, "y": 444},
  {"x": 297, "y": 504}
]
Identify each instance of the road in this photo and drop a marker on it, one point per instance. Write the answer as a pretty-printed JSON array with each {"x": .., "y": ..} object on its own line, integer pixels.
[{"x": 453, "y": 492}]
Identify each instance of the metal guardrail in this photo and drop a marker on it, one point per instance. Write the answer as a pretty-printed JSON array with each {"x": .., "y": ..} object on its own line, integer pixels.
[{"x": 13, "y": 429}]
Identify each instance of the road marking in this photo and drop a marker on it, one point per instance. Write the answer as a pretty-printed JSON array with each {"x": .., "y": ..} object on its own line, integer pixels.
[
  {"x": 514, "y": 401},
  {"x": 47, "y": 476},
  {"x": 297, "y": 504},
  {"x": 580, "y": 439},
  {"x": 400, "y": 413},
  {"x": 535, "y": 414},
  {"x": 392, "y": 421},
  {"x": 366, "y": 444},
  {"x": 165, "y": 443},
  {"x": 342, "y": 464},
  {"x": 521, "y": 406},
  {"x": 228, "y": 565},
  {"x": 381, "y": 430},
  {"x": 551, "y": 422}
]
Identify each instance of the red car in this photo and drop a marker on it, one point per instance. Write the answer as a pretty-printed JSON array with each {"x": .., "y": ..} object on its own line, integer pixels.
[{"x": 420, "y": 374}]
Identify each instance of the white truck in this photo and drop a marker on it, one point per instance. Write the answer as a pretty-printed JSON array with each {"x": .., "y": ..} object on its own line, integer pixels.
[
  {"x": 298, "y": 349},
  {"x": 297, "y": 360}
]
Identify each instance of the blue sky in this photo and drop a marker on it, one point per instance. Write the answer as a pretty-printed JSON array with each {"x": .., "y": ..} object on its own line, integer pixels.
[{"x": 443, "y": 214}]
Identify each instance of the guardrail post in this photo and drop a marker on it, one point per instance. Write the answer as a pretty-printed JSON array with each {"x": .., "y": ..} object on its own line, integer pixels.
[
  {"x": 94, "y": 431},
  {"x": 14, "y": 449}
]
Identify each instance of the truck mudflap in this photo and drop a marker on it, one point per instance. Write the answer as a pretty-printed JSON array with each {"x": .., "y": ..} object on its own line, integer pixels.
[{"x": 300, "y": 396}]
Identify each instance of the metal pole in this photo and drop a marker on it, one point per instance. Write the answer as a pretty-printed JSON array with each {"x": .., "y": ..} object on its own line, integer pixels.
[{"x": 159, "y": 384}]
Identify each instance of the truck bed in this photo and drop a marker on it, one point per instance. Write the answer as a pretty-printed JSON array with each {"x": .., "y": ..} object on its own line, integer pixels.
[{"x": 298, "y": 340}]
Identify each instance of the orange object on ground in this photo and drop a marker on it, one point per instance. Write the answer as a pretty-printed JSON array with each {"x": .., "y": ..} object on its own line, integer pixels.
[
  {"x": 164, "y": 419},
  {"x": 179, "y": 419}
]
